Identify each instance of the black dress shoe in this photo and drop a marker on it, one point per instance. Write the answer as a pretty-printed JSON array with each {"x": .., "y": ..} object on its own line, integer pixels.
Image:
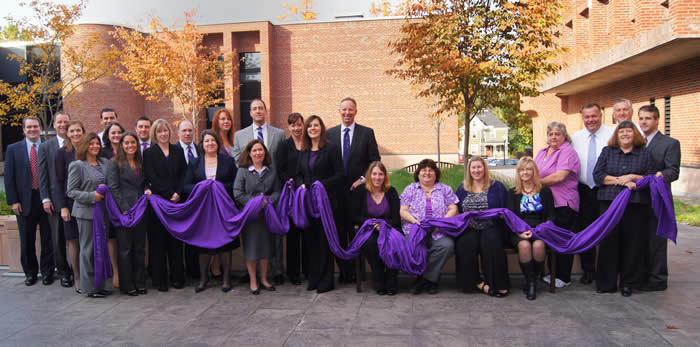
[
  {"x": 48, "y": 280},
  {"x": 323, "y": 290},
  {"x": 279, "y": 280},
  {"x": 433, "y": 288},
  {"x": 391, "y": 292},
  {"x": 269, "y": 289},
  {"x": 132, "y": 293},
  {"x": 626, "y": 291},
  {"x": 163, "y": 288},
  {"x": 178, "y": 285},
  {"x": 199, "y": 289},
  {"x": 255, "y": 291},
  {"x": 66, "y": 282},
  {"x": 142, "y": 291},
  {"x": 381, "y": 292},
  {"x": 226, "y": 289},
  {"x": 96, "y": 295},
  {"x": 30, "y": 280},
  {"x": 105, "y": 292}
]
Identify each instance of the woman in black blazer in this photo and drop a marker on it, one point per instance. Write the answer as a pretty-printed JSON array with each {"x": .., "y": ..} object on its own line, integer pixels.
[
  {"x": 534, "y": 204},
  {"x": 165, "y": 167},
  {"x": 318, "y": 162},
  {"x": 212, "y": 165},
  {"x": 377, "y": 199},
  {"x": 286, "y": 159},
  {"x": 111, "y": 138},
  {"x": 127, "y": 182}
]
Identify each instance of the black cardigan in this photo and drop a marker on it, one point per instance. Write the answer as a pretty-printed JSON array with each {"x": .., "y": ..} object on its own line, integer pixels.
[
  {"x": 533, "y": 219},
  {"x": 165, "y": 176},
  {"x": 359, "y": 206}
]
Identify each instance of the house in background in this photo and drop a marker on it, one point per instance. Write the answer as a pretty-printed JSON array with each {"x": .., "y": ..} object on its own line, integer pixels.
[{"x": 488, "y": 136}]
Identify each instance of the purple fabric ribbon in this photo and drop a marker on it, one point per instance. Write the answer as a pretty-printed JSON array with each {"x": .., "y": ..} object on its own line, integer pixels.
[{"x": 210, "y": 219}]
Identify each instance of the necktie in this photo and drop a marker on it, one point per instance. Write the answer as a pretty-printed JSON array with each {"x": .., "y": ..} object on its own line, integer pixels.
[
  {"x": 190, "y": 156},
  {"x": 592, "y": 159},
  {"x": 144, "y": 146},
  {"x": 34, "y": 161},
  {"x": 346, "y": 149},
  {"x": 260, "y": 135}
]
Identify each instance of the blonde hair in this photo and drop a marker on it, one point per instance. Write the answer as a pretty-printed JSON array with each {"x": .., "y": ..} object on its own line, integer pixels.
[
  {"x": 154, "y": 129},
  {"x": 469, "y": 181},
  {"x": 522, "y": 164},
  {"x": 368, "y": 182}
]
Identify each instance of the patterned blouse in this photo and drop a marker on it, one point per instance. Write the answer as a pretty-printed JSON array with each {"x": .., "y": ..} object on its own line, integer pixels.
[
  {"x": 441, "y": 198},
  {"x": 531, "y": 204},
  {"x": 477, "y": 202}
]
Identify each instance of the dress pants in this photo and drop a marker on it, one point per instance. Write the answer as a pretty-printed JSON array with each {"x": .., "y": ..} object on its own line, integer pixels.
[
  {"x": 589, "y": 211},
  {"x": 296, "y": 259},
  {"x": 489, "y": 242},
  {"x": 564, "y": 217},
  {"x": 132, "y": 257},
  {"x": 277, "y": 260},
  {"x": 622, "y": 249},
  {"x": 27, "y": 237},
  {"x": 87, "y": 258},
  {"x": 383, "y": 278},
  {"x": 167, "y": 255},
  {"x": 321, "y": 266},
  {"x": 656, "y": 256},
  {"x": 440, "y": 250},
  {"x": 58, "y": 240}
]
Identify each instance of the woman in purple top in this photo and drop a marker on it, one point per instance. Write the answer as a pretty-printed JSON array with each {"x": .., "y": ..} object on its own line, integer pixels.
[
  {"x": 377, "y": 199},
  {"x": 318, "y": 162},
  {"x": 559, "y": 168},
  {"x": 426, "y": 198}
]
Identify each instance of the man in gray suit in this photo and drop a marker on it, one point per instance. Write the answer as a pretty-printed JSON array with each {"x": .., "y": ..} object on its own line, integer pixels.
[
  {"x": 272, "y": 137},
  {"x": 665, "y": 152},
  {"x": 47, "y": 182}
]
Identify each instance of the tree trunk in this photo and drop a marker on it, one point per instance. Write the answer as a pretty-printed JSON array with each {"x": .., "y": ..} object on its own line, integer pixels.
[{"x": 438, "y": 140}]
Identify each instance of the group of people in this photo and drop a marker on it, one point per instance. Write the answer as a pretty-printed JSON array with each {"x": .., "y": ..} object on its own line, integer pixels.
[{"x": 53, "y": 184}]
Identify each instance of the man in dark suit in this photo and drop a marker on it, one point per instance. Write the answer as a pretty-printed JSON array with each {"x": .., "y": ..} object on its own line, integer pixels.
[
  {"x": 185, "y": 132},
  {"x": 22, "y": 187},
  {"x": 47, "y": 183},
  {"x": 358, "y": 148},
  {"x": 665, "y": 152}
]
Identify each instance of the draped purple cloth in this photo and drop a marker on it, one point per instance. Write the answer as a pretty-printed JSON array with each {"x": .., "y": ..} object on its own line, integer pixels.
[
  {"x": 103, "y": 267},
  {"x": 210, "y": 219}
]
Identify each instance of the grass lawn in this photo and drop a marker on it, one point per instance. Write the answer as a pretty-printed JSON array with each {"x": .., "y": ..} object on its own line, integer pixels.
[{"x": 686, "y": 213}]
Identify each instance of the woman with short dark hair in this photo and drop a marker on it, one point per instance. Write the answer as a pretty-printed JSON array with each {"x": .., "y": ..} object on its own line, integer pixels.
[
  {"x": 624, "y": 161},
  {"x": 256, "y": 177},
  {"x": 426, "y": 198}
]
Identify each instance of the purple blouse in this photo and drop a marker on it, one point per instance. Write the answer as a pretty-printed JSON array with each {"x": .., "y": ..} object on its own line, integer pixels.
[
  {"x": 440, "y": 200},
  {"x": 312, "y": 158},
  {"x": 375, "y": 210},
  {"x": 564, "y": 158}
]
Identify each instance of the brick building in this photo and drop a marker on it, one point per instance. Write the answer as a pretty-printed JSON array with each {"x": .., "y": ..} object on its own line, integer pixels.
[
  {"x": 647, "y": 51},
  {"x": 304, "y": 67}
]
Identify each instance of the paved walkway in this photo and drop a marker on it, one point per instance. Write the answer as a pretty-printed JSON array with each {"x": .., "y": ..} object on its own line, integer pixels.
[{"x": 40, "y": 316}]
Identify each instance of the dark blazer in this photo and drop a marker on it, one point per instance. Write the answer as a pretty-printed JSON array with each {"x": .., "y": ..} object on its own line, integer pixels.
[
  {"x": 195, "y": 148},
  {"x": 18, "y": 176},
  {"x": 249, "y": 185},
  {"x": 328, "y": 169},
  {"x": 359, "y": 204},
  {"x": 665, "y": 152},
  {"x": 165, "y": 176},
  {"x": 106, "y": 152},
  {"x": 63, "y": 160},
  {"x": 47, "y": 169},
  {"x": 82, "y": 184},
  {"x": 496, "y": 195},
  {"x": 225, "y": 173},
  {"x": 363, "y": 150},
  {"x": 548, "y": 212},
  {"x": 126, "y": 186},
  {"x": 286, "y": 159}
]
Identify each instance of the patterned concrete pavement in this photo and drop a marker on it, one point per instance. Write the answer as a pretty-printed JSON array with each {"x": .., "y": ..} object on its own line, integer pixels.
[{"x": 41, "y": 316}]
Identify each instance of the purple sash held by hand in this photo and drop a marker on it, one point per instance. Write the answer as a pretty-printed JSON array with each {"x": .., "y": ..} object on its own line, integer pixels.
[{"x": 210, "y": 219}]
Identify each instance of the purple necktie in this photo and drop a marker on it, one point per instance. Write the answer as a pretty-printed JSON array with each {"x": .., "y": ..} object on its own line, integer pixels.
[
  {"x": 190, "y": 156},
  {"x": 144, "y": 146},
  {"x": 346, "y": 149}
]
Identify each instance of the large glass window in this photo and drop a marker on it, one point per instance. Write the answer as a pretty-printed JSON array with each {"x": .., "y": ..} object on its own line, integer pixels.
[{"x": 249, "y": 70}]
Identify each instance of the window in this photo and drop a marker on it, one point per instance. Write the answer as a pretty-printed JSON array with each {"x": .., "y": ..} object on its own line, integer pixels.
[
  {"x": 474, "y": 149},
  {"x": 667, "y": 115},
  {"x": 249, "y": 75}
]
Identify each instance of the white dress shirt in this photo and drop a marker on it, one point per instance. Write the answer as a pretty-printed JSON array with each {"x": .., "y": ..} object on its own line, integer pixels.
[
  {"x": 264, "y": 132},
  {"x": 580, "y": 141},
  {"x": 184, "y": 148},
  {"x": 650, "y": 137}
]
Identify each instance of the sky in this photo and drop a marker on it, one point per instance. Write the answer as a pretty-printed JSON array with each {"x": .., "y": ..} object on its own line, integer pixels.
[{"x": 133, "y": 12}]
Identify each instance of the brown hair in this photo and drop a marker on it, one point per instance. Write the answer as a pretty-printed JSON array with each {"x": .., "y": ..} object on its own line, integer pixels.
[
  {"x": 209, "y": 132},
  {"x": 637, "y": 141},
  {"x": 651, "y": 109},
  {"x": 469, "y": 181},
  {"x": 246, "y": 161},
  {"x": 368, "y": 183},
  {"x": 348, "y": 99},
  {"x": 294, "y": 117},
  {"x": 81, "y": 148},
  {"x": 323, "y": 138},
  {"x": 215, "y": 124},
  {"x": 591, "y": 105},
  {"x": 522, "y": 163},
  {"x": 121, "y": 157},
  {"x": 68, "y": 145},
  {"x": 427, "y": 163}
]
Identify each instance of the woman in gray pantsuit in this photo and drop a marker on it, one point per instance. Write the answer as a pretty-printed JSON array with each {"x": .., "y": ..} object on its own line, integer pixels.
[
  {"x": 127, "y": 182},
  {"x": 84, "y": 176},
  {"x": 254, "y": 178}
]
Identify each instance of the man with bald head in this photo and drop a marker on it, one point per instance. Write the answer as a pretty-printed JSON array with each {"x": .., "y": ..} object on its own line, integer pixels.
[{"x": 185, "y": 132}]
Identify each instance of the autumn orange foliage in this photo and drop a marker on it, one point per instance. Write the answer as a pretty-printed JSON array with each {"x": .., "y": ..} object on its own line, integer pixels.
[{"x": 302, "y": 10}]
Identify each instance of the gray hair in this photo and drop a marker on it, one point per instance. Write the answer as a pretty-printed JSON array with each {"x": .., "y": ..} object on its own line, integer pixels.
[
  {"x": 629, "y": 103},
  {"x": 561, "y": 127},
  {"x": 179, "y": 125}
]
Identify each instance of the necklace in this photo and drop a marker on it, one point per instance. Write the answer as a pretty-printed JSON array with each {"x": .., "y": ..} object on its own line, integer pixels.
[{"x": 528, "y": 192}]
